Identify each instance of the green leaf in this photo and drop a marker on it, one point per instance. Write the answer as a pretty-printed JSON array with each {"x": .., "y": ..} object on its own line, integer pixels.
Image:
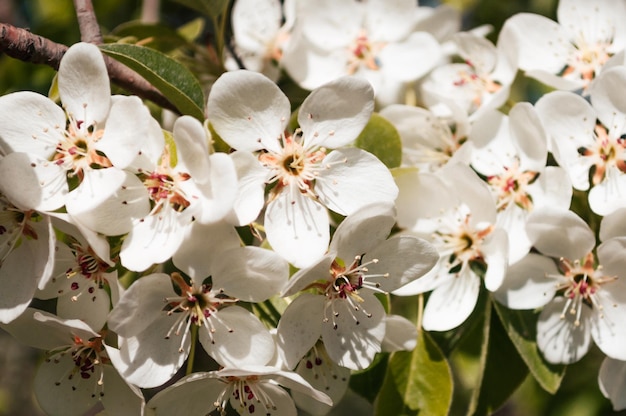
[
  {"x": 422, "y": 377},
  {"x": 502, "y": 368},
  {"x": 367, "y": 382},
  {"x": 381, "y": 138},
  {"x": 209, "y": 8},
  {"x": 155, "y": 36},
  {"x": 521, "y": 328},
  {"x": 389, "y": 401},
  {"x": 171, "y": 78}
]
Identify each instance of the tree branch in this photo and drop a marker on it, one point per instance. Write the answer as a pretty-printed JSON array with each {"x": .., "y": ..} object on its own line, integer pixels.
[
  {"x": 28, "y": 47},
  {"x": 87, "y": 22}
]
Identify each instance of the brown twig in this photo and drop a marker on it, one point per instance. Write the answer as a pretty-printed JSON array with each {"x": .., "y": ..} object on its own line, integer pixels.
[
  {"x": 28, "y": 47},
  {"x": 87, "y": 22}
]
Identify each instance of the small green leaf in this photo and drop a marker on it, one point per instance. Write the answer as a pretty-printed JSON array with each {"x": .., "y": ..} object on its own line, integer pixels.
[
  {"x": 192, "y": 30},
  {"x": 521, "y": 328},
  {"x": 423, "y": 377},
  {"x": 170, "y": 145},
  {"x": 502, "y": 368},
  {"x": 381, "y": 138},
  {"x": 389, "y": 401},
  {"x": 171, "y": 78}
]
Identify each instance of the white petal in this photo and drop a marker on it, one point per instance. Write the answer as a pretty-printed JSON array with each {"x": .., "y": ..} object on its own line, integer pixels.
[
  {"x": 363, "y": 230},
  {"x": 281, "y": 400},
  {"x": 612, "y": 382},
  {"x": 331, "y": 30},
  {"x": 128, "y": 127},
  {"x": 256, "y": 23},
  {"x": 559, "y": 233},
  {"x": 239, "y": 339},
  {"x": 400, "y": 334},
  {"x": 297, "y": 228},
  {"x": 250, "y": 197},
  {"x": 30, "y": 123},
  {"x": 527, "y": 285},
  {"x": 192, "y": 148},
  {"x": 607, "y": 328},
  {"x": 613, "y": 225},
  {"x": 220, "y": 191},
  {"x": 495, "y": 249},
  {"x": 181, "y": 399},
  {"x": 120, "y": 398},
  {"x": 300, "y": 327},
  {"x": 141, "y": 304},
  {"x": 308, "y": 275},
  {"x": 91, "y": 305},
  {"x": 202, "y": 245},
  {"x": 72, "y": 397},
  {"x": 411, "y": 59},
  {"x": 610, "y": 194},
  {"x": 352, "y": 337},
  {"x": 153, "y": 240},
  {"x": 30, "y": 182},
  {"x": 355, "y": 178},
  {"x": 450, "y": 304},
  {"x": 248, "y": 111},
  {"x": 334, "y": 114},
  {"x": 84, "y": 84},
  {"x": 37, "y": 334},
  {"x": 402, "y": 259},
  {"x": 529, "y": 136},
  {"x": 27, "y": 266},
  {"x": 251, "y": 274},
  {"x": 108, "y": 200},
  {"x": 389, "y": 21},
  {"x": 560, "y": 341},
  {"x": 149, "y": 359}
]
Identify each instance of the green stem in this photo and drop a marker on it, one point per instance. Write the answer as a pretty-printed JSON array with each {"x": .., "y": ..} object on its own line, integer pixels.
[
  {"x": 192, "y": 350},
  {"x": 272, "y": 310}
]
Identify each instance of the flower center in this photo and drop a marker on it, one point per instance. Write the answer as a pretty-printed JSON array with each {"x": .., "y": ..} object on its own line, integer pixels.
[
  {"x": 165, "y": 187},
  {"x": 582, "y": 283},
  {"x": 76, "y": 151},
  {"x": 607, "y": 151},
  {"x": 293, "y": 166},
  {"x": 479, "y": 86},
  {"x": 511, "y": 187},
  {"x": 198, "y": 306},
  {"x": 586, "y": 60},
  {"x": 364, "y": 53},
  {"x": 462, "y": 243}
]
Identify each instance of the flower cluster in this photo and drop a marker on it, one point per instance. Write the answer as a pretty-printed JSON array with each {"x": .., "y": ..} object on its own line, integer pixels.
[{"x": 260, "y": 278}]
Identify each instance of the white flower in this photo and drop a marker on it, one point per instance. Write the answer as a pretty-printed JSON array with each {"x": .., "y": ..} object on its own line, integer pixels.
[
  {"x": 155, "y": 321},
  {"x": 249, "y": 390},
  {"x": 76, "y": 373},
  {"x": 372, "y": 39},
  {"x": 481, "y": 83},
  {"x": 588, "y": 138},
  {"x": 513, "y": 161},
  {"x": 251, "y": 113},
  {"x": 343, "y": 310},
  {"x": 569, "y": 54},
  {"x": 584, "y": 297},
  {"x": 27, "y": 243},
  {"x": 259, "y": 35},
  {"x": 184, "y": 184},
  {"x": 612, "y": 379},
  {"x": 90, "y": 140},
  {"x": 457, "y": 213}
]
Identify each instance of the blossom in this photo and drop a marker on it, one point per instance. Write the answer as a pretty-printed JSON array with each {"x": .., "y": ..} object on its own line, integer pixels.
[
  {"x": 249, "y": 390},
  {"x": 571, "y": 53},
  {"x": 307, "y": 178},
  {"x": 513, "y": 162},
  {"x": 26, "y": 257},
  {"x": 155, "y": 321},
  {"x": 184, "y": 184},
  {"x": 342, "y": 308},
  {"x": 259, "y": 35},
  {"x": 77, "y": 372},
  {"x": 587, "y": 140},
  {"x": 611, "y": 380},
  {"x": 456, "y": 212},
  {"x": 583, "y": 296},
  {"x": 479, "y": 84},
  {"x": 372, "y": 39},
  {"x": 90, "y": 141}
]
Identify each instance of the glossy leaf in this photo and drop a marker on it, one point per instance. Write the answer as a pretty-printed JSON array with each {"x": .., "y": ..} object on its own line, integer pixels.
[
  {"x": 155, "y": 36},
  {"x": 381, "y": 138},
  {"x": 502, "y": 369},
  {"x": 521, "y": 328},
  {"x": 171, "y": 78},
  {"x": 389, "y": 401},
  {"x": 422, "y": 377}
]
